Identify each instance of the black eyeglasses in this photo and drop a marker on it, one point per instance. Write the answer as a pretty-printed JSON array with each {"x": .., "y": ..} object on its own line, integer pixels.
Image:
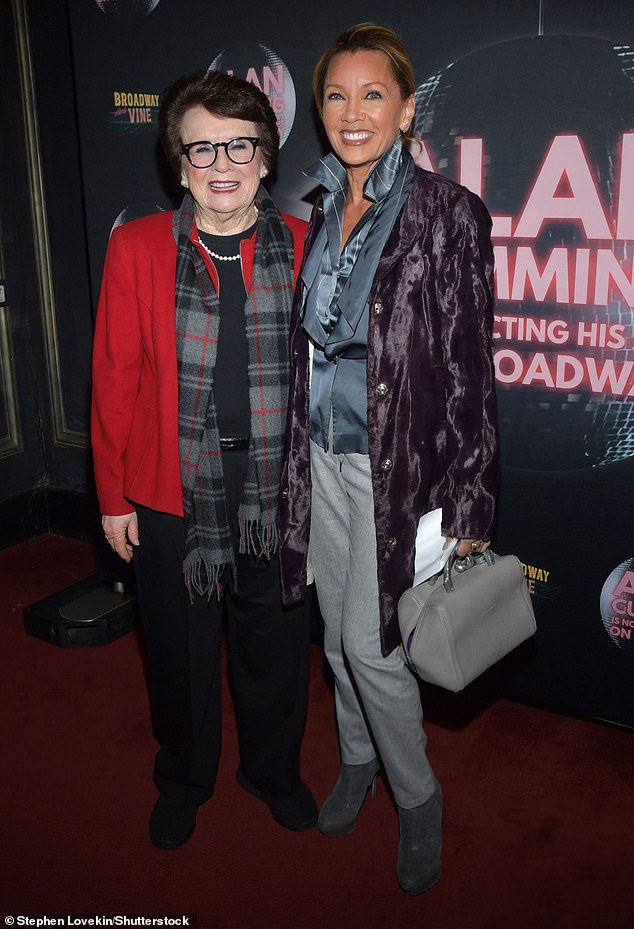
[{"x": 203, "y": 154}]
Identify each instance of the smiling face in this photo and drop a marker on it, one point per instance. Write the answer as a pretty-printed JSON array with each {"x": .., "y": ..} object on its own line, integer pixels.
[
  {"x": 363, "y": 110},
  {"x": 224, "y": 193}
]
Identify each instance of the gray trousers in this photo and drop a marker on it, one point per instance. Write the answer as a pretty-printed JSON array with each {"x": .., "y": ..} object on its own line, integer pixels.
[{"x": 377, "y": 698}]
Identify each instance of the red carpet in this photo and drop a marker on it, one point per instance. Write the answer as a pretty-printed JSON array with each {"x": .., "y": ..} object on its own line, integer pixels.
[{"x": 539, "y": 808}]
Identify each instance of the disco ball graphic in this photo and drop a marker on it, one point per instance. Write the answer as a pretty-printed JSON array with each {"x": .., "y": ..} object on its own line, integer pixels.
[
  {"x": 128, "y": 9},
  {"x": 135, "y": 211},
  {"x": 517, "y": 97},
  {"x": 264, "y": 68},
  {"x": 617, "y": 605}
]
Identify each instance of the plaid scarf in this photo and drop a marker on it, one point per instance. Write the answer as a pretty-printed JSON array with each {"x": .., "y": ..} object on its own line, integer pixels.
[{"x": 209, "y": 552}]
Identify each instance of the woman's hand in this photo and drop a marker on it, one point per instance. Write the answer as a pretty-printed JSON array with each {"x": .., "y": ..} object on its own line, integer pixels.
[
  {"x": 470, "y": 546},
  {"x": 122, "y": 533}
]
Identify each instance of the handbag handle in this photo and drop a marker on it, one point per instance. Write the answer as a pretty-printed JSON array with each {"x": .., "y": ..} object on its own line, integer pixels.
[{"x": 460, "y": 565}]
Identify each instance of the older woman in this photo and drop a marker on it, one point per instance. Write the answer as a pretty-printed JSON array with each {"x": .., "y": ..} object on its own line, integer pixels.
[
  {"x": 190, "y": 393},
  {"x": 392, "y": 329}
]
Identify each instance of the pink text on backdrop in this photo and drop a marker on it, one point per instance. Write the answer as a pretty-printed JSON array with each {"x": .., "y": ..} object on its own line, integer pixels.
[{"x": 565, "y": 189}]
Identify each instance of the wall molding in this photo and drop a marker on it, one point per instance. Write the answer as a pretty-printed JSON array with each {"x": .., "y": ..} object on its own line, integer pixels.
[
  {"x": 49, "y": 510},
  {"x": 62, "y": 433},
  {"x": 11, "y": 441}
]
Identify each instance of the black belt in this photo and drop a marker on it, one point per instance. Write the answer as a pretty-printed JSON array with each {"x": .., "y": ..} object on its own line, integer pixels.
[{"x": 235, "y": 444}]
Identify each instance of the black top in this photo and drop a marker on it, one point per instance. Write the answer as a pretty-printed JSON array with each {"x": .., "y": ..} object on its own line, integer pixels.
[{"x": 231, "y": 382}]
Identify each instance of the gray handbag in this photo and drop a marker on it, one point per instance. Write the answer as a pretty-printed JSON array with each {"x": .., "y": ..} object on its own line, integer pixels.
[{"x": 453, "y": 629}]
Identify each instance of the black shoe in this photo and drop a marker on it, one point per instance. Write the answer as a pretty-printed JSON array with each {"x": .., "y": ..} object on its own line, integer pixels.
[
  {"x": 296, "y": 811},
  {"x": 338, "y": 815},
  {"x": 172, "y": 822},
  {"x": 420, "y": 845}
]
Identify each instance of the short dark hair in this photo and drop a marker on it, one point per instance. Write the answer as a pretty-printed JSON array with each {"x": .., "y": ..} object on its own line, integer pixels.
[
  {"x": 223, "y": 95},
  {"x": 368, "y": 37}
]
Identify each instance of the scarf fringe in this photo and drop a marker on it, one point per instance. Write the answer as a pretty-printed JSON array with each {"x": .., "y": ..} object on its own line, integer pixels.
[
  {"x": 206, "y": 579},
  {"x": 257, "y": 539}
]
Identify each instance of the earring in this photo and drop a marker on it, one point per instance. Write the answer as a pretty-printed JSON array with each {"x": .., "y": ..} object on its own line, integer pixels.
[{"x": 184, "y": 182}]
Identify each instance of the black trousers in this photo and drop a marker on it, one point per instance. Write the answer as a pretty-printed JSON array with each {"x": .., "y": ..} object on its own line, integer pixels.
[{"x": 268, "y": 648}]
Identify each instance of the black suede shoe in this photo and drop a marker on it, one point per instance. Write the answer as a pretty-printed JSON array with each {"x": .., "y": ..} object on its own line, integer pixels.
[
  {"x": 420, "y": 845},
  {"x": 296, "y": 811},
  {"x": 338, "y": 815},
  {"x": 172, "y": 823}
]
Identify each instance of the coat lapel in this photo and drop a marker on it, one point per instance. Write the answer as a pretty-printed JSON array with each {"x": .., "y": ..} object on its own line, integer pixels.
[{"x": 410, "y": 226}]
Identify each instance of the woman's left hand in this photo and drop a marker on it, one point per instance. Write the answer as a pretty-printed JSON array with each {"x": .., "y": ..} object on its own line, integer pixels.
[
  {"x": 470, "y": 546},
  {"x": 122, "y": 533}
]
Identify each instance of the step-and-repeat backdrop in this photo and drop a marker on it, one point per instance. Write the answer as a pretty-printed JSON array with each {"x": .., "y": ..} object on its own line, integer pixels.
[{"x": 538, "y": 119}]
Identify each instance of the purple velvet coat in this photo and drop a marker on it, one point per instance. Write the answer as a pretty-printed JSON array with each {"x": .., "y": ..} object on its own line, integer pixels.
[{"x": 431, "y": 391}]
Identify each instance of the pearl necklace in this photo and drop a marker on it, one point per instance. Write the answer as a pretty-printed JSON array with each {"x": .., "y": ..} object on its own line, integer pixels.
[
  {"x": 216, "y": 255},
  {"x": 226, "y": 257}
]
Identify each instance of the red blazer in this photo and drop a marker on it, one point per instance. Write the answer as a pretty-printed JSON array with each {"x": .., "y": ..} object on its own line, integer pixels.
[{"x": 135, "y": 386}]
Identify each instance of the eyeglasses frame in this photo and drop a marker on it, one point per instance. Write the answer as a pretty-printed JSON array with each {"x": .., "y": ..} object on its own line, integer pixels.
[{"x": 255, "y": 141}]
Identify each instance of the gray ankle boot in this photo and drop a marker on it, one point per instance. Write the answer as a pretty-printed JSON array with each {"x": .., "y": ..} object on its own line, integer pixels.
[
  {"x": 338, "y": 815},
  {"x": 418, "y": 866}
]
